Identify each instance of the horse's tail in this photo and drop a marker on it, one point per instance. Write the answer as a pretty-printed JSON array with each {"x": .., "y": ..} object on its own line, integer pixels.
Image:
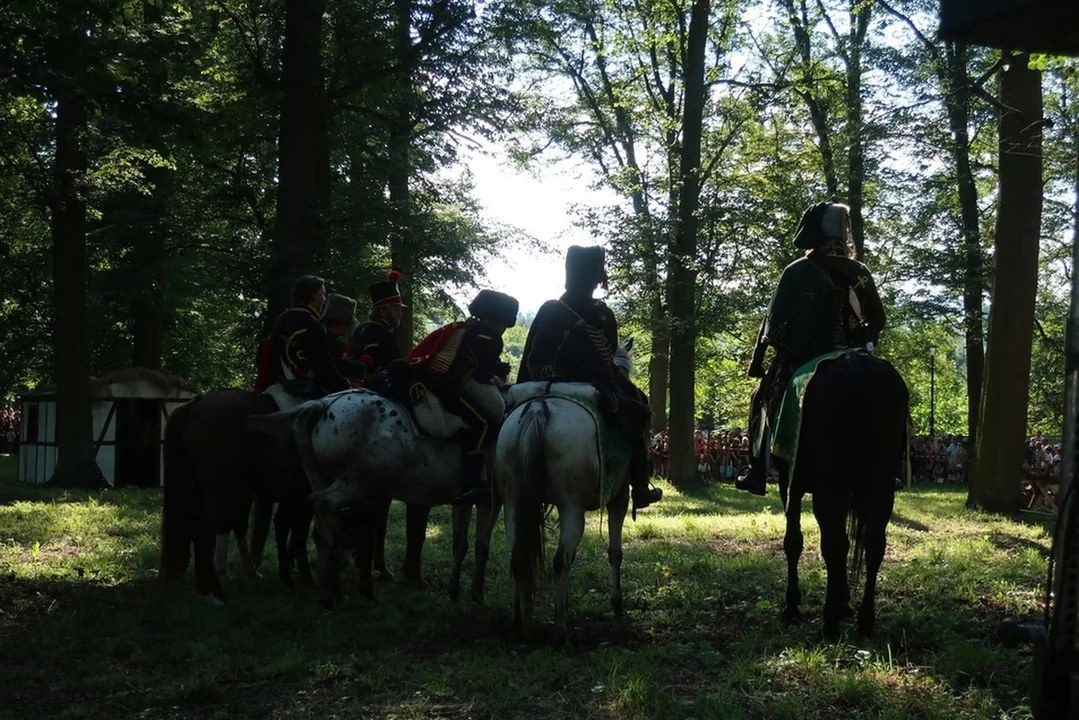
[
  {"x": 526, "y": 555},
  {"x": 280, "y": 424},
  {"x": 178, "y": 505}
]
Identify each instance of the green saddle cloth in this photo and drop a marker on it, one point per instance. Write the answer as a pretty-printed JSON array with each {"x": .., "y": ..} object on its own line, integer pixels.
[
  {"x": 787, "y": 423},
  {"x": 613, "y": 449}
]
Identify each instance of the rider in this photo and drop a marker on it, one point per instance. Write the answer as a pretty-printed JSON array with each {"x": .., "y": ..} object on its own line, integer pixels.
[
  {"x": 297, "y": 354},
  {"x": 460, "y": 352},
  {"x": 825, "y": 300},
  {"x": 573, "y": 339},
  {"x": 339, "y": 319},
  {"x": 374, "y": 343}
]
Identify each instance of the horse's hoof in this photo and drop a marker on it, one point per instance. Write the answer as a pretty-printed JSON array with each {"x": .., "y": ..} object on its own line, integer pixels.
[
  {"x": 212, "y": 600},
  {"x": 791, "y": 614},
  {"x": 384, "y": 575},
  {"x": 830, "y": 633}
]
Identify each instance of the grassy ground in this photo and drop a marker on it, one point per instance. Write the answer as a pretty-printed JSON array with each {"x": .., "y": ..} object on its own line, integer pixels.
[{"x": 83, "y": 632}]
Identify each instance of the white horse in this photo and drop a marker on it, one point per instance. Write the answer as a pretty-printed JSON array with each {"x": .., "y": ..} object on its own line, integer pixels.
[
  {"x": 357, "y": 445},
  {"x": 547, "y": 454}
]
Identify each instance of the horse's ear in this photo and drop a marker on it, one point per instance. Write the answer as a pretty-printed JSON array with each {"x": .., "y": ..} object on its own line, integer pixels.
[{"x": 628, "y": 343}]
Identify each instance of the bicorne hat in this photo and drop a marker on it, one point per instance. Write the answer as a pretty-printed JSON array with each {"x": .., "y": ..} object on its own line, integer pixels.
[
  {"x": 820, "y": 225},
  {"x": 385, "y": 293},
  {"x": 585, "y": 267},
  {"x": 495, "y": 307}
]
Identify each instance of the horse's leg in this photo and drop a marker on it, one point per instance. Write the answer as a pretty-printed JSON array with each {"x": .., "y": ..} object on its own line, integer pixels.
[
  {"x": 246, "y": 561},
  {"x": 381, "y": 523},
  {"x": 511, "y": 525},
  {"x": 260, "y": 529},
  {"x": 282, "y": 525},
  {"x": 792, "y": 548},
  {"x": 486, "y": 517},
  {"x": 831, "y": 513},
  {"x": 875, "y": 539},
  {"x": 415, "y": 533},
  {"x": 330, "y": 560},
  {"x": 462, "y": 516},
  {"x": 301, "y": 527},
  {"x": 571, "y": 529},
  {"x": 616, "y": 517},
  {"x": 221, "y": 554},
  {"x": 206, "y": 582},
  {"x": 366, "y": 514}
]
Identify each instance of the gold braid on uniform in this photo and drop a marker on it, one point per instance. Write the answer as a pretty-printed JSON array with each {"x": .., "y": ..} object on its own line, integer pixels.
[
  {"x": 445, "y": 356},
  {"x": 600, "y": 341}
]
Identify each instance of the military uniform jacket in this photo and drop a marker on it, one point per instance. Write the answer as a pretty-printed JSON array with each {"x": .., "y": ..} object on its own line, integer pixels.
[
  {"x": 823, "y": 302},
  {"x": 571, "y": 340},
  {"x": 459, "y": 351},
  {"x": 376, "y": 340},
  {"x": 301, "y": 349}
]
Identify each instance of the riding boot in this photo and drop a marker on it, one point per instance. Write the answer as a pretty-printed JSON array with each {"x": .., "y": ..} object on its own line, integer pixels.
[
  {"x": 476, "y": 491},
  {"x": 756, "y": 480},
  {"x": 643, "y": 493}
]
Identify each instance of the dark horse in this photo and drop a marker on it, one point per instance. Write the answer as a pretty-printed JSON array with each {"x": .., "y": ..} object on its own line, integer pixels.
[
  {"x": 215, "y": 469},
  {"x": 853, "y": 437}
]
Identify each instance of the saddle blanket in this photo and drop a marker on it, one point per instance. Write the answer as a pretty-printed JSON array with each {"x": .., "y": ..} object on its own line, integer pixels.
[
  {"x": 613, "y": 449},
  {"x": 282, "y": 398},
  {"x": 787, "y": 424}
]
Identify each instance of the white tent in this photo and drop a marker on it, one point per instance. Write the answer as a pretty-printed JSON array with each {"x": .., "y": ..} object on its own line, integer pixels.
[{"x": 129, "y": 412}]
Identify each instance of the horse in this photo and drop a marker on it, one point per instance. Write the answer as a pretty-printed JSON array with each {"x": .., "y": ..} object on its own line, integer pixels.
[
  {"x": 214, "y": 472},
  {"x": 358, "y": 446},
  {"x": 853, "y": 437},
  {"x": 547, "y": 454}
]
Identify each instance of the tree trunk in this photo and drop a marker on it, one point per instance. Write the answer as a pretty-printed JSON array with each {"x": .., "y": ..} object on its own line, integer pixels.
[
  {"x": 402, "y": 249},
  {"x": 657, "y": 366},
  {"x": 303, "y": 163},
  {"x": 995, "y": 483},
  {"x": 958, "y": 106},
  {"x": 76, "y": 465},
  {"x": 683, "y": 275},
  {"x": 859, "y": 25}
]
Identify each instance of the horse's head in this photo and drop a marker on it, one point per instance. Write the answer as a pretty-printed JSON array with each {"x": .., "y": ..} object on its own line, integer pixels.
[{"x": 622, "y": 359}]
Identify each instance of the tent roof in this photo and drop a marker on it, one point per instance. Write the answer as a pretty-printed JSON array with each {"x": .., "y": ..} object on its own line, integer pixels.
[{"x": 120, "y": 384}]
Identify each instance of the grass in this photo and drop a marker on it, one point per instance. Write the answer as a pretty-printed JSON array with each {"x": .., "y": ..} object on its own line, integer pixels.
[{"x": 84, "y": 633}]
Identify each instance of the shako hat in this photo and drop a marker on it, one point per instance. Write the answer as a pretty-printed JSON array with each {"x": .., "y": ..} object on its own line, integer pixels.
[
  {"x": 495, "y": 307},
  {"x": 385, "y": 293},
  {"x": 585, "y": 266}
]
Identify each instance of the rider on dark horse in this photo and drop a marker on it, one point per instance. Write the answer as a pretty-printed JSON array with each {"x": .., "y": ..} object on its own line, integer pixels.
[
  {"x": 460, "y": 352},
  {"x": 339, "y": 319},
  {"x": 825, "y": 301},
  {"x": 573, "y": 339},
  {"x": 374, "y": 343},
  {"x": 297, "y": 354}
]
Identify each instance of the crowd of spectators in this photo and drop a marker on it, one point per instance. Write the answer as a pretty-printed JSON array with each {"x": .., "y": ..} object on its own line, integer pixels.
[
  {"x": 722, "y": 455},
  {"x": 9, "y": 431},
  {"x": 939, "y": 459},
  {"x": 1041, "y": 456}
]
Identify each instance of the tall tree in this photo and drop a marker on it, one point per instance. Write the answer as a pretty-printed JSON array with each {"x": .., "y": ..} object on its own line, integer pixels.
[
  {"x": 999, "y": 454},
  {"x": 68, "y": 56}
]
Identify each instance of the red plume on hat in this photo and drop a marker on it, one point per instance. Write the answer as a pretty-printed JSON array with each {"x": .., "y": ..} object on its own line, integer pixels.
[
  {"x": 393, "y": 275},
  {"x": 385, "y": 293}
]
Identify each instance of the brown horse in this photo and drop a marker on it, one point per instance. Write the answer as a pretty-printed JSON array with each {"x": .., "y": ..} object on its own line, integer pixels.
[{"x": 215, "y": 469}]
